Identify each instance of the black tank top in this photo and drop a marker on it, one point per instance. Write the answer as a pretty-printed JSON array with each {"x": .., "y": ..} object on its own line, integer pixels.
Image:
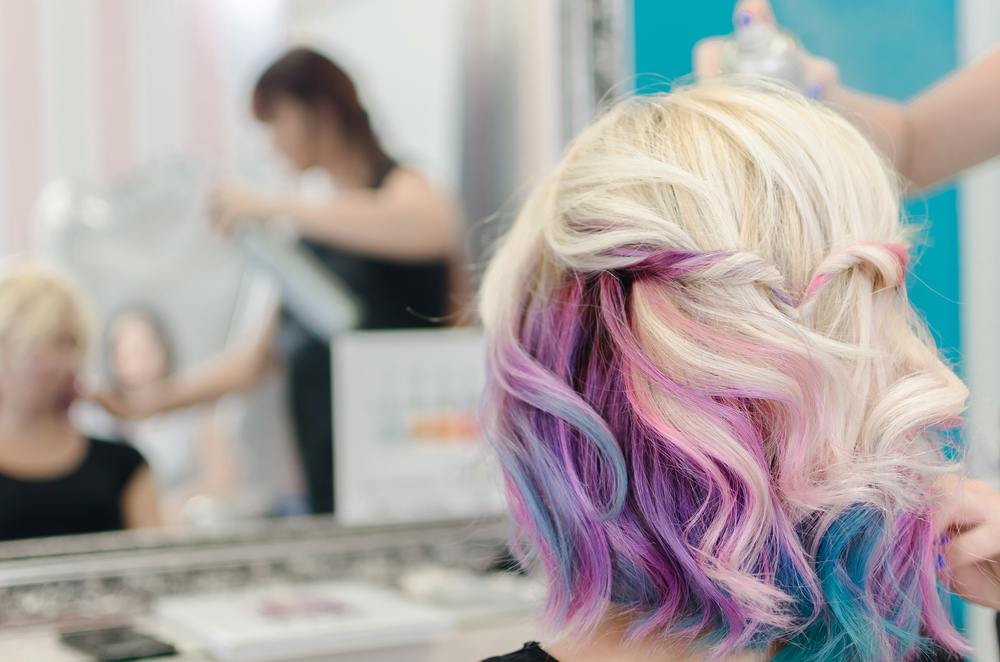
[
  {"x": 531, "y": 652},
  {"x": 86, "y": 500},
  {"x": 392, "y": 295}
]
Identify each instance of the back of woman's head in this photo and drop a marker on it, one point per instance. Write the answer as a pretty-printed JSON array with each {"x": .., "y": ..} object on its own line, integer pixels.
[{"x": 713, "y": 405}]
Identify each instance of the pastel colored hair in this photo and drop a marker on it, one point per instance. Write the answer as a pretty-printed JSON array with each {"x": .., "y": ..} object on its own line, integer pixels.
[{"x": 715, "y": 410}]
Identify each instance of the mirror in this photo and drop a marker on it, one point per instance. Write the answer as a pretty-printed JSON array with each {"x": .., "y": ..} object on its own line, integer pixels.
[{"x": 472, "y": 94}]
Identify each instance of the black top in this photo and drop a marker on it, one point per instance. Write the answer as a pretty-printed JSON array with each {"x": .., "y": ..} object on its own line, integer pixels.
[
  {"x": 391, "y": 295},
  {"x": 531, "y": 652},
  {"x": 86, "y": 500}
]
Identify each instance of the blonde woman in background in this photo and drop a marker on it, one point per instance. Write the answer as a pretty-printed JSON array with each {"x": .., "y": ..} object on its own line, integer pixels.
[{"x": 54, "y": 481}]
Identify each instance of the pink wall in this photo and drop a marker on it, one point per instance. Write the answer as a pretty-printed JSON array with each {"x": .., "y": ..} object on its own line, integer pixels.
[
  {"x": 205, "y": 111},
  {"x": 21, "y": 112},
  {"x": 135, "y": 56},
  {"x": 116, "y": 99}
]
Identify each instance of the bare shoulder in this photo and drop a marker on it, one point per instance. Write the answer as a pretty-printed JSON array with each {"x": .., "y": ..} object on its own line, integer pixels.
[
  {"x": 405, "y": 175},
  {"x": 138, "y": 501},
  {"x": 405, "y": 183},
  {"x": 410, "y": 180}
]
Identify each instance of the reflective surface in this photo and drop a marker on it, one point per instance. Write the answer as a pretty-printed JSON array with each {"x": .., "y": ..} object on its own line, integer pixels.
[
  {"x": 477, "y": 93},
  {"x": 118, "y": 574}
]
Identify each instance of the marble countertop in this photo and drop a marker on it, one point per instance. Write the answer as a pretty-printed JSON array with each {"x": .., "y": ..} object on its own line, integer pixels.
[{"x": 41, "y": 644}]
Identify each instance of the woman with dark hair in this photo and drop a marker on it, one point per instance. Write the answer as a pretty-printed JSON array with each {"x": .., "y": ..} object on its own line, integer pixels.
[
  {"x": 384, "y": 212},
  {"x": 389, "y": 235}
]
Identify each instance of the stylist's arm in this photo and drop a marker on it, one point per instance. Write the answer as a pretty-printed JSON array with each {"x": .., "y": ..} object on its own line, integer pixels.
[
  {"x": 951, "y": 126},
  {"x": 405, "y": 220}
]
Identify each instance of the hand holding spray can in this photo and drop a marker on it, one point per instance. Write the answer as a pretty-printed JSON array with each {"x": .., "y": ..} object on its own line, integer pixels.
[{"x": 759, "y": 48}]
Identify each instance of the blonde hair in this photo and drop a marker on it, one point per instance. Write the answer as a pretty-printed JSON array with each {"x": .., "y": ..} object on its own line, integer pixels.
[
  {"x": 35, "y": 303},
  {"x": 713, "y": 403}
]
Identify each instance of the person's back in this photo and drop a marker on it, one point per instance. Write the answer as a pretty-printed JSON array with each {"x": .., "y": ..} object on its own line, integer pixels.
[{"x": 716, "y": 412}]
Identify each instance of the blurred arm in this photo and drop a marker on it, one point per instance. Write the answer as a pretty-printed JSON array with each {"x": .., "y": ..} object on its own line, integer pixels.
[
  {"x": 230, "y": 372},
  {"x": 952, "y": 126},
  {"x": 139, "y": 509},
  {"x": 233, "y": 371},
  {"x": 218, "y": 475},
  {"x": 408, "y": 220}
]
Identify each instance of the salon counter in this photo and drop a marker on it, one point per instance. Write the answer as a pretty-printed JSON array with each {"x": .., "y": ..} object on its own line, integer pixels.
[
  {"x": 41, "y": 644},
  {"x": 124, "y": 578}
]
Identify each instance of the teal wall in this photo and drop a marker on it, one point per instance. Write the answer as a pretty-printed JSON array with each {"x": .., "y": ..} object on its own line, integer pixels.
[{"x": 892, "y": 48}]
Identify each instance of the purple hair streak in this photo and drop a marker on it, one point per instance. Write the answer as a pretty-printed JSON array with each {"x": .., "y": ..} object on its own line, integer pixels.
[{"x": 629, "y": 509}]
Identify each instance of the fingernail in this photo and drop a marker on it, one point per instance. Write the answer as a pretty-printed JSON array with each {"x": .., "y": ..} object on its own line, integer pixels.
[
  {"x": 814, "y": 90},
  {"x": 743, "y": 19},
  {"x": 944, "y": 540},
  {"x": 940, "y": 562}
]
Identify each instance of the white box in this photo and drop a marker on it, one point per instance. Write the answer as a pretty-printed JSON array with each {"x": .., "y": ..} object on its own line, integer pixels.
[{"x": 292, "y": 622}]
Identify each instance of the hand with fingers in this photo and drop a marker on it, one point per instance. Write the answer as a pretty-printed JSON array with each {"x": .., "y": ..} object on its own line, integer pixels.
[
  {"x": 816, "y": 76},
  {"x": 231, "y": 203},
  {"x": 951, "y": 126},
  {"x": 967, "y": 519},
  {"x": 137, "y": 403}
]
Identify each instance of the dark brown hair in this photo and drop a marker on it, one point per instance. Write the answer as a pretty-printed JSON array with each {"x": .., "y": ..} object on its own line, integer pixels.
[{"x": 314, "y": 80}]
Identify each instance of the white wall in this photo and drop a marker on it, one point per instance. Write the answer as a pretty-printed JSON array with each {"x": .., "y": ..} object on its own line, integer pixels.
[
  {"x": 979, "y": 230},
  {"x": 406, "y": 59},
  {"x": 69, "y": 72},
  {"x": 117, "y": 83}
]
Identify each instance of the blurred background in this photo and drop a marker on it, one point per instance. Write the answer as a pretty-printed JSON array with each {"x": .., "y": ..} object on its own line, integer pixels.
[{"x": 118, "y": 118}]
